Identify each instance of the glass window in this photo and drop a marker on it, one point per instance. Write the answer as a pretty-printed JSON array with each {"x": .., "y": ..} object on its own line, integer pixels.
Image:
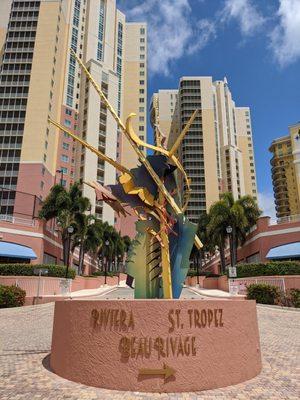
[{"x": 64, "y": 158}]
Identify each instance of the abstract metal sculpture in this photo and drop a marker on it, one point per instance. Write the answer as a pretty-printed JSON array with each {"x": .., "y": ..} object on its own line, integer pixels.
[{"x": 159, "y": 256}]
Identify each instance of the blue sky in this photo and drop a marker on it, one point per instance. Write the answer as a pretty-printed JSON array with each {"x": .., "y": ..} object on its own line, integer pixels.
[{"x": 254, "y": 43}]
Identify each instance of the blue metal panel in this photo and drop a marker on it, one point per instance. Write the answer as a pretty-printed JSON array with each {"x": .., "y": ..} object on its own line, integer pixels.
[
  {"x": 291, "y": 250},
  {"x": 14, "y": 250}
]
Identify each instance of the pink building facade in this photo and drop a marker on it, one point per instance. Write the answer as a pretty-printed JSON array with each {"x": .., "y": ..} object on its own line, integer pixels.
[
  {"x": 43, "y": 239},
  {"x": 259, "y": 242}
]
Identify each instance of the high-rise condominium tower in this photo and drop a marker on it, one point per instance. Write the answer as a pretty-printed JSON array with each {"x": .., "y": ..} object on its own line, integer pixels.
[
  {"x": 286, "y": 173},
  {"x": 39, "y": 77},
  {"x": 217, "y": 153}
]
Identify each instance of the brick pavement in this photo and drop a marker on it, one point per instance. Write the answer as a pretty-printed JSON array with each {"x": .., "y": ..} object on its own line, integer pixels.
[{"x": 25, "y": 337}]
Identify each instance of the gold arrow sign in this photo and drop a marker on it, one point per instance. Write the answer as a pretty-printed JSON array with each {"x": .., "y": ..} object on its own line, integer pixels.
[{"x": 166, "y": 371}]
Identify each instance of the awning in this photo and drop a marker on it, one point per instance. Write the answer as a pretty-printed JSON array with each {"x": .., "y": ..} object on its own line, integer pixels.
[
  {"x": 14, "y": 250},
  {"x": 290, "y": 250}
]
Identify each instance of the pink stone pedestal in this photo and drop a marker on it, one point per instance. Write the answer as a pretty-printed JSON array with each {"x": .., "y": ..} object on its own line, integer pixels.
[{"x": 156, "y": 345}]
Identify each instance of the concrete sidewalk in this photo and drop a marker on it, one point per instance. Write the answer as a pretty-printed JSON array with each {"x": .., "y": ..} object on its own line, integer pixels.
[
  {"x": 215, "y": 293},
  {"x": 80, "y": 294}
]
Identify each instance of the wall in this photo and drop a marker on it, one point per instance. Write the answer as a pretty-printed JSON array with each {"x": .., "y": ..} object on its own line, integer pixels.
[
  {"x": 50, "y": 286},
  {"x": 258, "y": 243}
]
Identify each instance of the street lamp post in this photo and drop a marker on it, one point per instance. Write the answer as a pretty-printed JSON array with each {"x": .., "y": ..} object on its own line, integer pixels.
[
  {"x": 70, "y": 230},
  {"x": 118, "y": 265},
  {"x": 229, "y": 232},
  {"x": 106, "y": 262},
  {"x": 198, "y": 266}
]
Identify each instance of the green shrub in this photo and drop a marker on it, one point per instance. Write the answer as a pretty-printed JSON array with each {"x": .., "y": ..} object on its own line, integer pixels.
[
  {"x": 102, "y": 273},
  {"x": 295, "y": 297},
  {"x": 11, "y": 296},
  {"x": 268, "y": 269},
  {"x": 28, "y": 270},
  {"x": 208, "y": 274},
  {"x": 263, "y": 293}
]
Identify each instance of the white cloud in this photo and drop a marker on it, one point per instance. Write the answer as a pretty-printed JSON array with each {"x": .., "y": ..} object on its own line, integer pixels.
[
  {"x": 172, "y": 30},
  {"x": 245, "y": 13},
  {"x": 267, "y": 204},
  {"x": 285, "y": 38}
]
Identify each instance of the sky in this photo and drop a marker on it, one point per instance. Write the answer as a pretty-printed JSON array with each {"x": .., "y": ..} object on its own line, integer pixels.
[{"x": 254, "y": 43}]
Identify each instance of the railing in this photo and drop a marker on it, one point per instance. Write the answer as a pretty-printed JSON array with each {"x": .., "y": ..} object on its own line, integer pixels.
[
  {"x": 242, "y": 283},
  {"x": 16, "y": 220},
  {"x": 43, "y": 287},
  {"x": 290, "y": 218}
]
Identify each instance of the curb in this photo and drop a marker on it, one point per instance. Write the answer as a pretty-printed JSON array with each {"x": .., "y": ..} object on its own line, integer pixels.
[{"x": 278, "y": 308}]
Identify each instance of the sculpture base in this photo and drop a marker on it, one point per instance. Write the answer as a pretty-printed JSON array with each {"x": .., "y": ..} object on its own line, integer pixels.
[{"x": 156, "y": 345}]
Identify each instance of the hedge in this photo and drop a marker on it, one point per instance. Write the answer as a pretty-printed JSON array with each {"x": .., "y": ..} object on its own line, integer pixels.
[
  {"x": 268, "y": 269},
  {"x": 294, "y": 295},
  {"x": 102, "y": 273},
  {"x": 263, "y": 294},
  {"x": 208, "y": 274},
  {"x": 11, "y": 296},
  {"x": 28, "y": 270}
]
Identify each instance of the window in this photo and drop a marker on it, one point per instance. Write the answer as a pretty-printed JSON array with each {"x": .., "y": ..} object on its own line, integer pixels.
[
  {"x": 65, "y": 146},
  {"x": 64, "y": 170},
  {"x": 142, "y": 82},
  {"x": 63, "y": 182},
  {"x": 142, "y": 100},
  {"x": 142, "y": 65},
  {"x": 142, "y": 73},
  {"x": 142, "y": 48},
  {"x": 42, "y": 185},
  {"x": 67, "y": 122},
  {"x": 141, "y": 119},
  {"x": 141, "y": 128},
  {"x": 142, "y": 40},
  {"x": 142, "y": 31},
  {"x": 142, "y": 56},
  {"x": 64, "y": 158},
  {"x": 142, "y": 91},
  {"x": 68, "y": 111},
  {"x": 141, "y": 109}
]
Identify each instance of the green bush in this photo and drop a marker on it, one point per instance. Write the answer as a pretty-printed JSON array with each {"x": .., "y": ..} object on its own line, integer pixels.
[
  {"x": 295, "y": 297},
  {"x": 102, "y": 273},
  {"x": 28, "y": 270},
  {"x": 208, "y": 274},
  {"x": 263, "y": 293},
  {"x": 268, "y": 269},
  {"x": 11, "y": 296}
]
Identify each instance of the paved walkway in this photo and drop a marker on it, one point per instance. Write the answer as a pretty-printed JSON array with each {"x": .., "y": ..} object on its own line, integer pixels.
[{"x": 25, "y": 339}]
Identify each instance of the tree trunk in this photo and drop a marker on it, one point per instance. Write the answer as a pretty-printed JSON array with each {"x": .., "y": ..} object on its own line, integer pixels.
[
  {"x": 222, "y": 258},
  {"x": 81, "y": 259}
]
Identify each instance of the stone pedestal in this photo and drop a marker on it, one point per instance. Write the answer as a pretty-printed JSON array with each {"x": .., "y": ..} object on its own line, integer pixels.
[{"x": 156, "y": 345}]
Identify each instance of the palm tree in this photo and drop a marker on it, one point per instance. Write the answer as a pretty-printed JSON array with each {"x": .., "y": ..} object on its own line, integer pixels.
[
  {"x": 88, "y": 236},
  {"x": 65, "y": 206},
  {"x": 239, "y": 214}
]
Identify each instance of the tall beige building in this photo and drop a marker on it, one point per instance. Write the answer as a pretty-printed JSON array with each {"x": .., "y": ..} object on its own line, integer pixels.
[
  {"x": 39, "y": 78},
  {"x": 135, "y": 87},
  {"x": 163, "y": 111},
  {"x": 217, "y": 153},
  {"x": 33, "y": 43},
  {"x": 286, "y": 173}
]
